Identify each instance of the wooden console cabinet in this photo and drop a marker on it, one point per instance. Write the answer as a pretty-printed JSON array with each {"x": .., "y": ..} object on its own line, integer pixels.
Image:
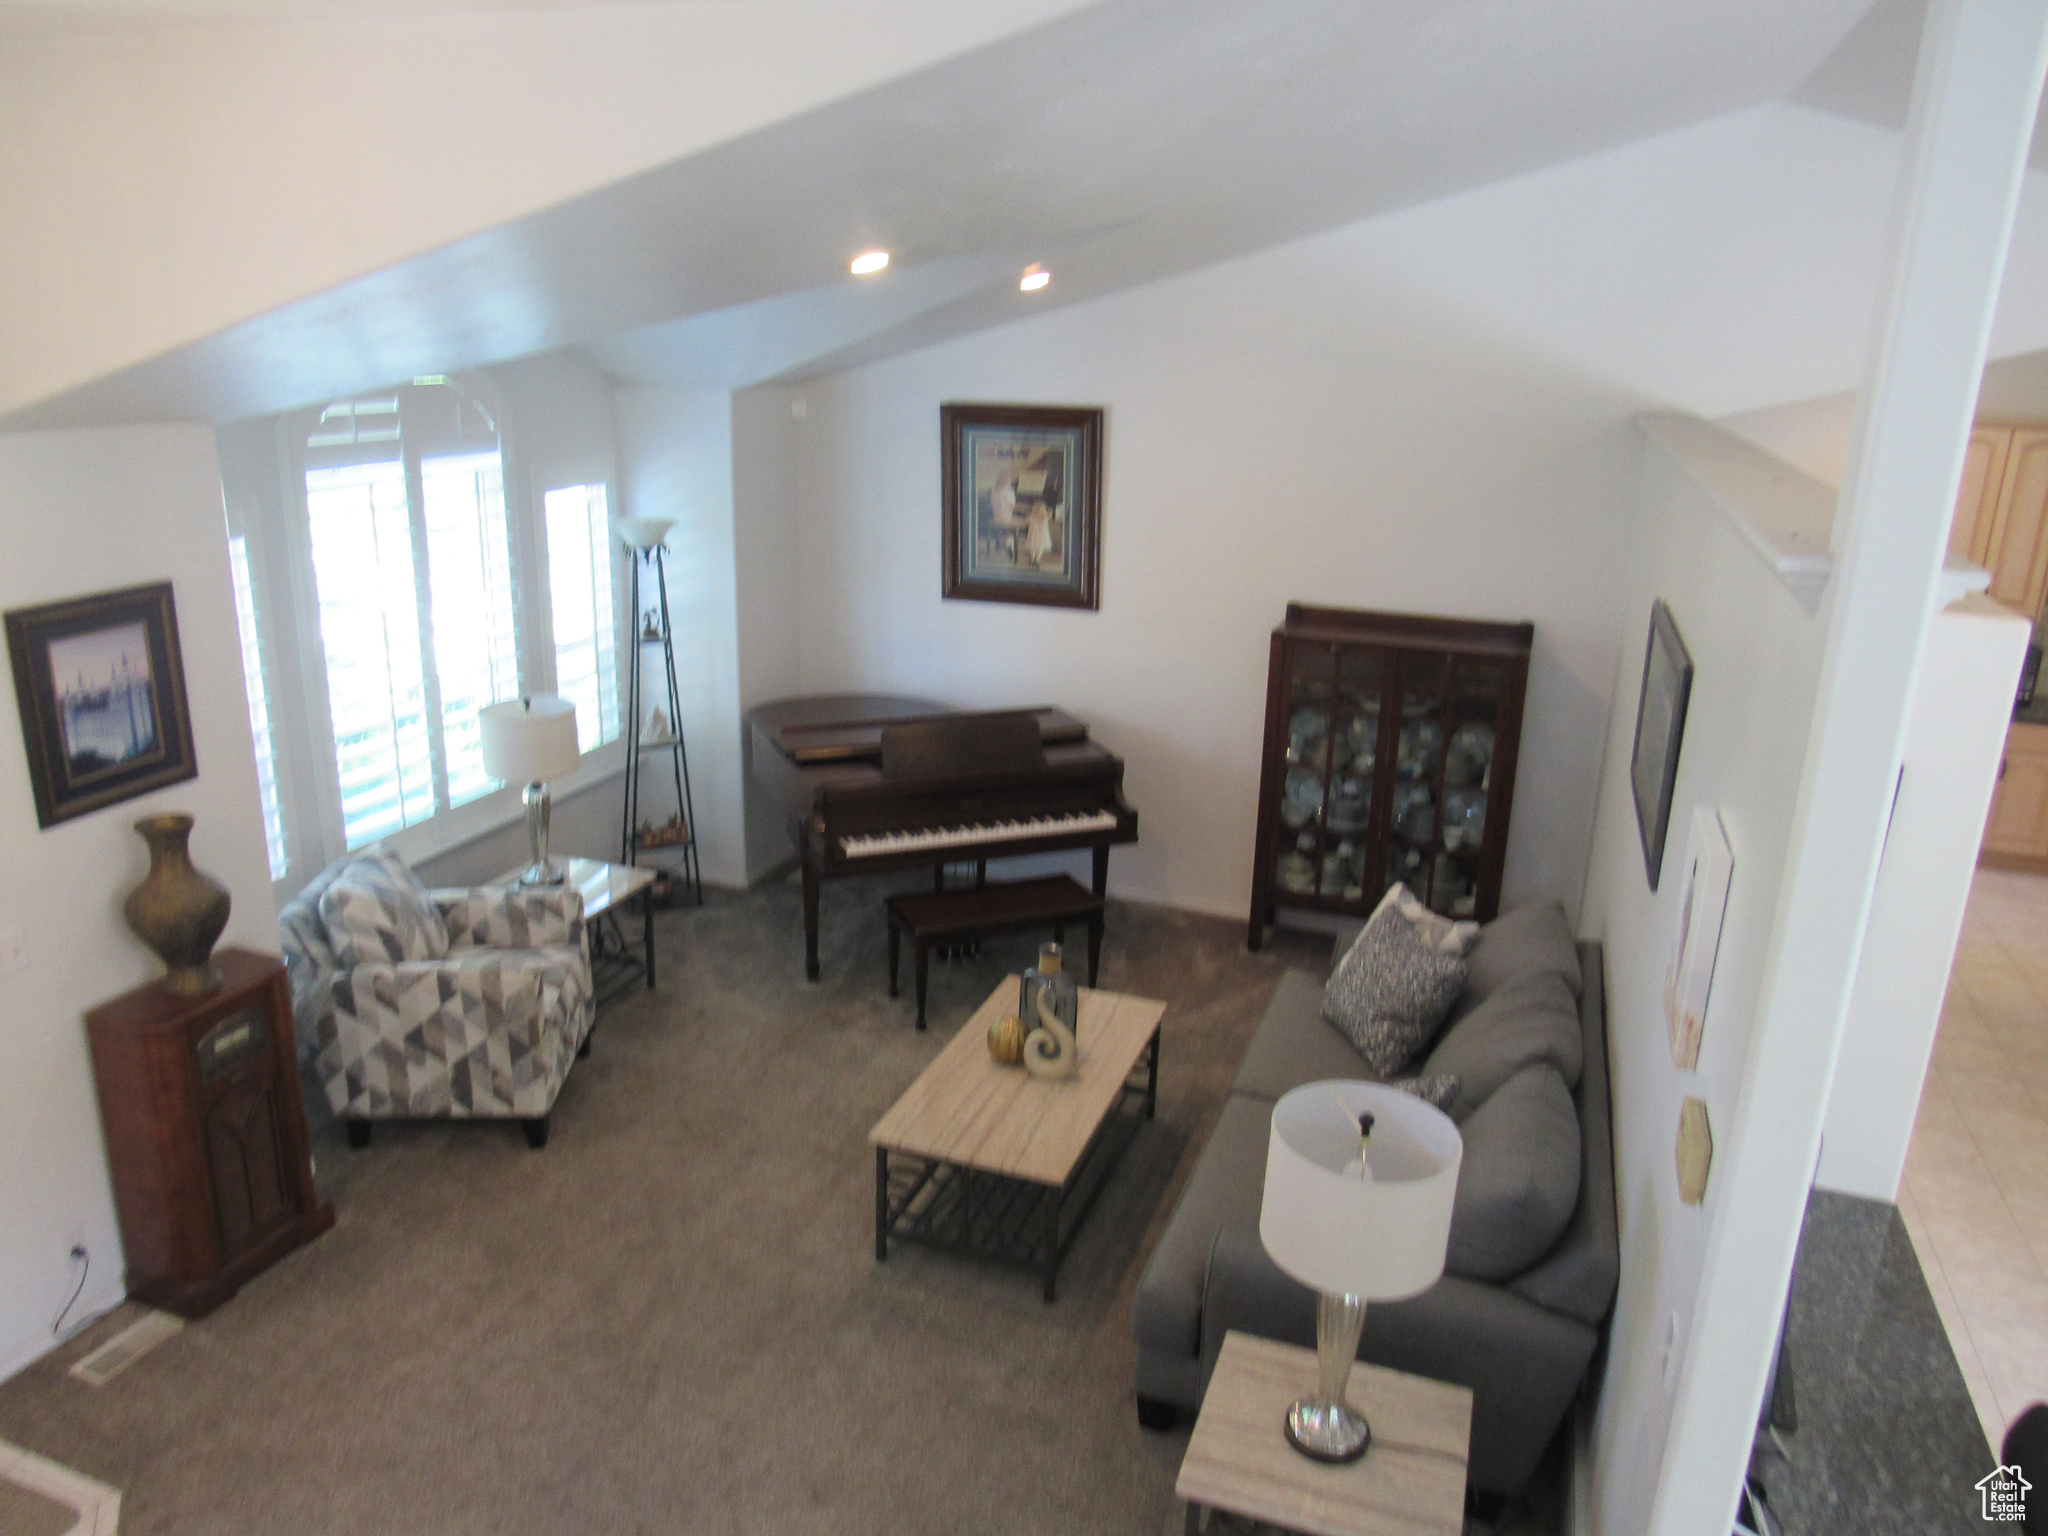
[
  {"x": 1391, "y": 743},
  {"x": 205, "y": 1132}
]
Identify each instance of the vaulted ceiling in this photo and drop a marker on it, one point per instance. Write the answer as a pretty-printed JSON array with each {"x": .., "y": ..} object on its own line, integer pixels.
[{"x": 1117, "y": 144}]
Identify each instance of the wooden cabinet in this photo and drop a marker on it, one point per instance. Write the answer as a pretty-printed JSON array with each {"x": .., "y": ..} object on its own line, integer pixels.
[
  {"x": 2001, "y": 520},
  {"x": 206, "y": 1135},
  {"x": 2016, "y": 831},
  {"x": 1390, "y": 750}
]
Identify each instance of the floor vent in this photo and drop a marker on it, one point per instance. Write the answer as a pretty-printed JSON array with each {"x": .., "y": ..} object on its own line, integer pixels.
[{"x": 125, "y": 1348}]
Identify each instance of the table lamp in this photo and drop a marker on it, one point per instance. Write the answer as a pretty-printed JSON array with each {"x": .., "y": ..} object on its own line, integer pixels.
[
  {"x": 532, "y": 739},
  {"x": 1354, "y": 1229}
]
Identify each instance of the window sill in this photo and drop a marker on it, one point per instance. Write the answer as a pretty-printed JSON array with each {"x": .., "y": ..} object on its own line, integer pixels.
[{"x": 501, "y": 808}]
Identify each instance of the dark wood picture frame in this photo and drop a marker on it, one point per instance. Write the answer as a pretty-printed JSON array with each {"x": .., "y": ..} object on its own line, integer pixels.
[
  {"x": 119, "y": 726},
  {"x": 1660, "y": 727},
  {"x": 987, "y": 546}
]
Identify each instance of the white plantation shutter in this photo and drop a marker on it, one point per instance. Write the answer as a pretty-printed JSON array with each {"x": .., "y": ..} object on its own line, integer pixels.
[
  {"x": 370, "y": 631},
  {"x": 585, "y": 612},
  {"x": 259, "y": 707},
  {"x": 475, "y": 636}
]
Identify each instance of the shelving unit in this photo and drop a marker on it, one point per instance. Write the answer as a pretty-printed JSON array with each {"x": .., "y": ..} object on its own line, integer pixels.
[
  {"x": 652, "y": 632},
  {"x": 1391, "y": 742}
]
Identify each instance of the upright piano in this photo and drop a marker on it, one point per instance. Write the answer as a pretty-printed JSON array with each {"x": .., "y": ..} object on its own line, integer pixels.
[{"x": 875, "y": 782}]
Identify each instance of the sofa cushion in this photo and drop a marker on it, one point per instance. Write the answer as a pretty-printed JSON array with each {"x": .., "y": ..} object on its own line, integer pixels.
[
  {"x": 1519, "y": 1181},
  {"x": 377, "y": 912},
  {"x": 1391, "y": 990},
  {"x": 1533, "y": 937},
  {"x": 1527, "y": 1020},
  {"x": 1294, "y": 1044}
]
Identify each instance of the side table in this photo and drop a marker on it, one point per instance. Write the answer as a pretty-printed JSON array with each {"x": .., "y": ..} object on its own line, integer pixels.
[{"x": 1411, "y": 1483}]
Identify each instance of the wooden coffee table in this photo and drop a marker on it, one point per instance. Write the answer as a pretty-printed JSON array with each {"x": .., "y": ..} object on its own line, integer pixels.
[
  {"x": 1410, "y": 1483},
  {"x": 991, "y": 1161}
]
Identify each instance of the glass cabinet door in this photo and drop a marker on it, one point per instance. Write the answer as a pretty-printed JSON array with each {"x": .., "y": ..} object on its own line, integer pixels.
[
  {"x": 1418, "y": 771},
  {"x": 1311, "y": 686},
  {"x": 1477, "y": 690},
  {"x": 1354, "y": 759},
  {"x": 1334, "y": 696}
]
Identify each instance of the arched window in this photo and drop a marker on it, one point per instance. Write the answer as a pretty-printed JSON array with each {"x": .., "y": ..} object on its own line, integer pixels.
[{"x": 419, "y": 620}]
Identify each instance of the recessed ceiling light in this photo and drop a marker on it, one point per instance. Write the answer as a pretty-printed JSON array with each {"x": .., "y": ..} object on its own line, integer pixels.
[
  {"x": 869, "y": 261},
  {"x": 1035, "y": 277}
]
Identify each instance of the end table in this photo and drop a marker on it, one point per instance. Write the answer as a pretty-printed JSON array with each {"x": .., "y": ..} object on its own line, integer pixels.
[{"x": 1411, "y": 1483}]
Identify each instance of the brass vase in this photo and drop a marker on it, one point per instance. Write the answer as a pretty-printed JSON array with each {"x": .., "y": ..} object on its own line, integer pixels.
[{"x": 178, "y": 911}]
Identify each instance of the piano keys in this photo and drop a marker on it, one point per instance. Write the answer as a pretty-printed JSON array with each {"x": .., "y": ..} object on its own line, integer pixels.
[{"x": 874, "y": 782}]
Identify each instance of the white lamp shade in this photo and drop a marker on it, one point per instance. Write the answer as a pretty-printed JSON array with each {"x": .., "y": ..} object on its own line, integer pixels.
[
  {"x": 643, "y": 533},
  {"x": 529, "y": 740},
  {"x": 1381, "y": 1238}
]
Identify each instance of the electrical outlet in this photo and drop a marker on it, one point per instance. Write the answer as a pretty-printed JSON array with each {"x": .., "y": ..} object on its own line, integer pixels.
[{"x": 13, "y": 952}]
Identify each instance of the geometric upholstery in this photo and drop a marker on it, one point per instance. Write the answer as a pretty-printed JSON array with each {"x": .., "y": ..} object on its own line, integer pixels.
[
  {"x": 376, "y": 909},
  {"x": 489, "y": 1029}
]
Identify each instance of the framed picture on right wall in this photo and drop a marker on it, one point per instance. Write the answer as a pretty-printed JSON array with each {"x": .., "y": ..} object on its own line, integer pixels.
[{"x": 1660, "y": 726}]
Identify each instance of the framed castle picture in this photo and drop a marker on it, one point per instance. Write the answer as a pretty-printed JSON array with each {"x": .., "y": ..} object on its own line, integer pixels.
[
  {"x": 101, "y": 685},
  {"x": 1023, "y": 503}
]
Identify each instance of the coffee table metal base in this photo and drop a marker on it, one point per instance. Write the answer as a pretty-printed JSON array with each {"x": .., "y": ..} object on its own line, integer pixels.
[{"x": 1015, "y": 1222}]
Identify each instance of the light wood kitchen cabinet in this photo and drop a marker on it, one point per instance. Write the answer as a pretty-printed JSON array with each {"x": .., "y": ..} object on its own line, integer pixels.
[
  {"x": 2001, "y": 520},
  {"x": 2016, "y": 831}
]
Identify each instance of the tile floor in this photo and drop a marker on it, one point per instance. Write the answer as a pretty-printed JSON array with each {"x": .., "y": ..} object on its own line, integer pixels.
[{"x": 1975, "y": 1197}]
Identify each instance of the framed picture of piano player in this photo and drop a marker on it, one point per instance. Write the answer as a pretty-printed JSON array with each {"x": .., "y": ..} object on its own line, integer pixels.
[
  {"x": 1023, "y": 503},
  {"x": 101, "y": 687}
]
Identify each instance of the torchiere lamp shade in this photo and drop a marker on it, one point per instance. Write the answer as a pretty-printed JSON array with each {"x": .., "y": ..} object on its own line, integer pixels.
[
  {"x": 1380, "y": 1239},
  {"x": 531, "y": 740},
  {"x": 643, "y": 533}
]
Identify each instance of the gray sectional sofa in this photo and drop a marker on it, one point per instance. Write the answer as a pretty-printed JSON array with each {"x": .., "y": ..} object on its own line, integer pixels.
[{"x": 1519, "y": 1327}]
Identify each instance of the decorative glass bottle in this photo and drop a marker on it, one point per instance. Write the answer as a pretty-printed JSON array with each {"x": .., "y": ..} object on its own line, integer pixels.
[{"x": 1049, "y": 1005}]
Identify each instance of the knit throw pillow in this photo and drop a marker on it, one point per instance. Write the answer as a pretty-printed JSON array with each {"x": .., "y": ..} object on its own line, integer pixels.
[{"x": 1389, "y": 995}]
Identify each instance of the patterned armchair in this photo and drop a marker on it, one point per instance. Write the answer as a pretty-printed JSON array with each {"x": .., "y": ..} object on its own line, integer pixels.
[{"x": 412, "y": 1002}]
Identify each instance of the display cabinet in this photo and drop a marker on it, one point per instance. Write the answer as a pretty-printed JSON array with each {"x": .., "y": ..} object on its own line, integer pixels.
[{"x": 1391, "y": 742}]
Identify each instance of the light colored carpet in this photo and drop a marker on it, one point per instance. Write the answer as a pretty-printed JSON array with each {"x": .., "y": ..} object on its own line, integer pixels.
[{"x": 671, "y": 1319}]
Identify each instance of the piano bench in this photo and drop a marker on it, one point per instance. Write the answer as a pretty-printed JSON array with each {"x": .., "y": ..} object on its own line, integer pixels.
[{"x": 978, "y": 912}]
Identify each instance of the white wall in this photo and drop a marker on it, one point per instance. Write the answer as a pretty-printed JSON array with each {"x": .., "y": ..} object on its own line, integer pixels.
[
  {"x": 1814, "y": 434},
  {"x": 84, "y": 512},
  {"x": 1756, "y": 655},
  {"x": 1955, "y": 739},
  {"x": 1425, "y": 411},
  {"x": 676, "y": 459},
  {"x": 765, "y": 544}
]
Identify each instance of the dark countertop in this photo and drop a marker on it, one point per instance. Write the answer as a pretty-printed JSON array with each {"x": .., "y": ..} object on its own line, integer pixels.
[{"x": 1888, "y": 1442}]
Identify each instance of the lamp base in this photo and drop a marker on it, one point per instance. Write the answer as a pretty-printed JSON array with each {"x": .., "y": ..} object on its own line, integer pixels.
[
  {"x": 543, "y": 870},
  {"x": 1332, "y": 1432}
]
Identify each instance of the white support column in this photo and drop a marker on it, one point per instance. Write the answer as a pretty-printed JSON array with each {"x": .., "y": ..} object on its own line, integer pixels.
[{"x": 1979, "y": 81}]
